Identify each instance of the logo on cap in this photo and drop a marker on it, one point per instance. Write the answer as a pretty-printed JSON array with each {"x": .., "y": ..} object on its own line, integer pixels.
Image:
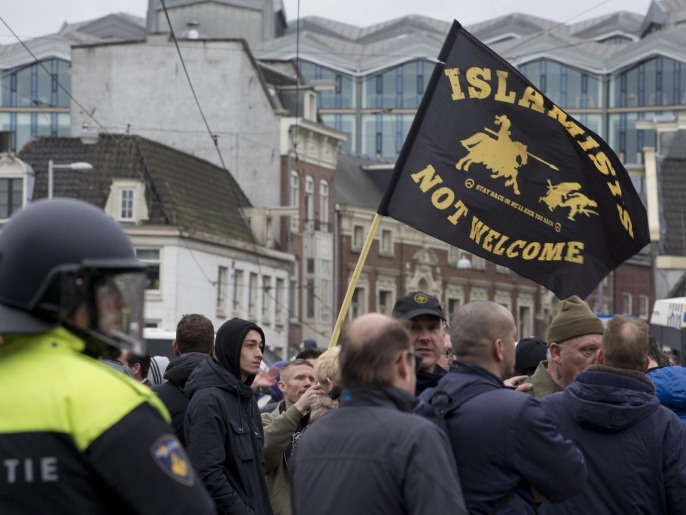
[{"x": 420, "y": 298}]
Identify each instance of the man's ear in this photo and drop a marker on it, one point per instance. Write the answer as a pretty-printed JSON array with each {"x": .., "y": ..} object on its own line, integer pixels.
[
  {"x": 601, "y": 358},
  {"x": 175, "y": 348},
  {"x": 282, "y": 386},
  {"x": 499, "y": 349},
  {"x": 554, "y": 349},
  {"x": 646, "y": 365},
  {"x": 212, "y": 348}
]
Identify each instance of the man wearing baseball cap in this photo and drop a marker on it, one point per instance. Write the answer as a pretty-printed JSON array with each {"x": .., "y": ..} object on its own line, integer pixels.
[
  {"x": 426, "y": 334},
  {"x": 574, "y": 339}
]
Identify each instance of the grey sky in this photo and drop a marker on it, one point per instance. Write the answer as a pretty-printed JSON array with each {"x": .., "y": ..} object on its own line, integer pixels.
[{"x": 39, "y": 17}]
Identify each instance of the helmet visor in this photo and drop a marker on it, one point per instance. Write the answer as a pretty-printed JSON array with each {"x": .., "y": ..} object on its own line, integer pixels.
[{"x": 120, "y": 299}]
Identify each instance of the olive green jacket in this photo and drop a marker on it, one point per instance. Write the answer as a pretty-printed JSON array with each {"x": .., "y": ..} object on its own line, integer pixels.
[
  {"x": 278, "y": 429},
  {"x": 543, "y": 383}
]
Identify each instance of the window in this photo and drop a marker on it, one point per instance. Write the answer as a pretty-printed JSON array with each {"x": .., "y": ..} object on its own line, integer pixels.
[
  {"x": 643, "y": 306},
  {"x": 387, "y": 242},
  {"x": 453, "y": 305},
  {"x": 385, "y": 302},
  {"x": 357, "y": 303},
  {"x": 324, "y": 206},
  {"x": 126, "y": 204},
  {"x": 295, "y": 199},
  {"x": 237, "y": 290},
  {"x": 266, "y": 297},
  {"x": 309, "y": 201},
  {"x": 524, "y": 326},
  {"x": 152, "y": 258},
  {"x": 325, "y": 299},
  {"x": 222, "y": 285},
  {"x": 310, "y": 298},
  {"x": 11, "y": 196},
  {"x": 280, "y": 302},
  {"x": 627, "y": 307},
  {"x": 252, "y": 296},
  {"x": 358, "y": 237}
]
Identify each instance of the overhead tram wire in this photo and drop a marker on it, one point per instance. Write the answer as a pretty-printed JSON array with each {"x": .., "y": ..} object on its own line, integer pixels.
[
  {"x": 83, "y": 109},
  {"x": 223, "y": 165}
]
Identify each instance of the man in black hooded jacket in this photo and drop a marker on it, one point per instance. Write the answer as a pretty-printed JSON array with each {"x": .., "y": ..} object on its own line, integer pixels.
[
  {"x": 194, "y": 340},
  {"x": 223, "y": 428}
]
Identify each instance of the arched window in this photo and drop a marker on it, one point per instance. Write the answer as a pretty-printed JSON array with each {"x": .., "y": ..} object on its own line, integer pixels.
[
  {"x": 309, "y": 200},
  {"x": 324, "y": 206},
  {"x": 295, "y": 198}
]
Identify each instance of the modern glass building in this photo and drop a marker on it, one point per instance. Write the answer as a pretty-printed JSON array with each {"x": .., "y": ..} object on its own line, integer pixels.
[
  {"x": 608, "y": 72},
  {"x": 35, "y": 76}
]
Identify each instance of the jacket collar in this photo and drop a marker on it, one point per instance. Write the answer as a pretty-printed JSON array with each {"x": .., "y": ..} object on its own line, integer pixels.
[
  {"x": 629, "y": 376},
  {"x": 357, "y": 395}
]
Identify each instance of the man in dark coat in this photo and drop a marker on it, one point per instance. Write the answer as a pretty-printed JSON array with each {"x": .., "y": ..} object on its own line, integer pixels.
[
  {"x": 194, "y": 340},
  {"x": 504, "y": 444},
  {"x": 372, "y": 455},
  {"x": 635, "y": 448},
  {"x": 223, "y": 428},
  {"x": 426, "y": 319}
]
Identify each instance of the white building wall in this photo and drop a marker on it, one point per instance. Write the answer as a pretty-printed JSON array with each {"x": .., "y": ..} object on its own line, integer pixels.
[
  {"x": 188, "y": 276},
  {"x": 141, "y": 88}
]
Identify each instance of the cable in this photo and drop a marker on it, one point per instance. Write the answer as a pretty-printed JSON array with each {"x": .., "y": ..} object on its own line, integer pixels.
[{"x": 223, "y": 165}]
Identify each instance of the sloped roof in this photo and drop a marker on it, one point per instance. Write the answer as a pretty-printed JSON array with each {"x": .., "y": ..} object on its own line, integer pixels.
[
  {"x": 181, "y": 190},
  {"x": 112, "y": 27},
  {"x": 517, "y": 37},
  {"x": 673, "y": 185},
  {"x": 356, "y": 186},
  {"x": 118, "y": 26}
]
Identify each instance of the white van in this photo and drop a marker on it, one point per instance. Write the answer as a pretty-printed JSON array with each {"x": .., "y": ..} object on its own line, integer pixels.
[
  {"x": 668, "y": 326},
  {"x": 159, "y": 341}
]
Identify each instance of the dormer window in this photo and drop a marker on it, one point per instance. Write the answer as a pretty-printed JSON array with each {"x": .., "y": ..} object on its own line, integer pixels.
[{"x": 126, "y": 202}]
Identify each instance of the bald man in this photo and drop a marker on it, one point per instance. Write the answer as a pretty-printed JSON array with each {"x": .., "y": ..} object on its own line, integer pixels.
[
  {"x": 392, "y": 460},
  {"x": 502, "y": 437}
]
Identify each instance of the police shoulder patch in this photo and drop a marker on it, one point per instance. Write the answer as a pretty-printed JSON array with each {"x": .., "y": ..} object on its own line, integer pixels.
[{"x": 171, "y": 457}]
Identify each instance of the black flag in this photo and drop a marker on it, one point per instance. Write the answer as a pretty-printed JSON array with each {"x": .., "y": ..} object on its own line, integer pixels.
[{"x": 494, "y": 167}]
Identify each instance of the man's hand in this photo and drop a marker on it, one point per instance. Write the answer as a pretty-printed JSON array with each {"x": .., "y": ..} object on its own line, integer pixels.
[
  {"x": 304, "y": 403},
  {"x": 263, "y": 380},
  {"x": 516, "y": 381}
]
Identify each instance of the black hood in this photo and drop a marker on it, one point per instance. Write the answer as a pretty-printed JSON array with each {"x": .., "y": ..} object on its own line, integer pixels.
[
  {"x": 228, "y": 345},
  {"x": 179, "y": 369}
]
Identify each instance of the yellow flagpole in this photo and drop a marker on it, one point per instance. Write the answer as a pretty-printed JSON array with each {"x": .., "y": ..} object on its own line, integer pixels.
[{"x": 353, "y": 282}]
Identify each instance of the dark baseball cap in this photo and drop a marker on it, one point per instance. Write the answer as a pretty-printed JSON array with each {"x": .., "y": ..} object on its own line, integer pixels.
[
  {"x": 529, "y": 353},
  {"x": 415, "y": 304}
]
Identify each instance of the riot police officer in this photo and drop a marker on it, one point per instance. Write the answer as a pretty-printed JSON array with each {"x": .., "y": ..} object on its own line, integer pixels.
[{"x": 75, "y": 435}]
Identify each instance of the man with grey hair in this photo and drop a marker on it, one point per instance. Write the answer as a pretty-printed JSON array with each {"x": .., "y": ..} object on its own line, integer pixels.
[
  {"x": 635, "y": 448},
  {"x": 504, "y": 440},
  {"x": 391, "y": 460}
]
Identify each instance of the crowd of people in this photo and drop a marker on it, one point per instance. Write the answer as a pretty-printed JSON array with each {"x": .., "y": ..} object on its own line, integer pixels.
[{"x": 413, "y": 413}]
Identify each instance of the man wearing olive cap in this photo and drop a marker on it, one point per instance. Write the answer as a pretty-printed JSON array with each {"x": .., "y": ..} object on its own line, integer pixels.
[{"x": 574, "y": 339}]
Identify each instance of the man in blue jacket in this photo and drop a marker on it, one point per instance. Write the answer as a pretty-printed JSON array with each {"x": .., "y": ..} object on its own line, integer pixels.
[
  {"x": 507, "y": 449},
  {"x": 635, "y": 448}
]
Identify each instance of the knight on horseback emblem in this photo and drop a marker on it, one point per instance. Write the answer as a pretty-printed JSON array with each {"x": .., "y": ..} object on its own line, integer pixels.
[{"x": 499, "y": 154}]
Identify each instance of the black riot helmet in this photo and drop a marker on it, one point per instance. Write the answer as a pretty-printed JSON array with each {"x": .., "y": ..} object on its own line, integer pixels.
[{"x": 65, "y": 262}]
